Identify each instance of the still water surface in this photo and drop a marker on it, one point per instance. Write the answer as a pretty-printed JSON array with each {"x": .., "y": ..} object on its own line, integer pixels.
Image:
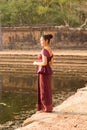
[{"x": 18, "y": 95}]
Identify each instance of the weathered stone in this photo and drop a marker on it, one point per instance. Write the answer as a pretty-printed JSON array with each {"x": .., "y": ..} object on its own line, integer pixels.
[
  {"x": 75, "y": 104},
  {"x": 26, "y": 38},
  {"x": 70, "y": 115},
  {"x": 68, "y": 63}
]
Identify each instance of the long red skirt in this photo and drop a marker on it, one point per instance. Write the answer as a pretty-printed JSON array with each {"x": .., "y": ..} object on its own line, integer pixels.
[{"x": 44, "y": 93}]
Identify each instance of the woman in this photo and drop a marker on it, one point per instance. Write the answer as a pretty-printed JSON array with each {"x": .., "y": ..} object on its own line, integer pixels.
[{"x": 44, "y": 71}]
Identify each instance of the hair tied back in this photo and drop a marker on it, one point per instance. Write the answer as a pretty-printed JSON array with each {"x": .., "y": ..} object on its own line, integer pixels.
[{"x": 50, "y": 36}]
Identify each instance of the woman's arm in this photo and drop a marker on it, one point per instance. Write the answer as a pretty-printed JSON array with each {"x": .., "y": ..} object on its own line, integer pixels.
[{"x": 42, "y": 63}]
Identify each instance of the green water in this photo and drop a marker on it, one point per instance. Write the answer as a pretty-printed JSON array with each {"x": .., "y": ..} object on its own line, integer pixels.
[{"x": 18, "y": 95}]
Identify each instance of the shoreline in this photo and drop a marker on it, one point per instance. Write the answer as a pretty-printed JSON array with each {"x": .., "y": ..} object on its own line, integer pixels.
[{"x": 71, "y": 114}]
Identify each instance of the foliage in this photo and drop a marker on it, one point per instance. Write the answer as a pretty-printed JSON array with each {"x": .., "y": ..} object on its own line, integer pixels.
[{"x": 27, "y": 12}]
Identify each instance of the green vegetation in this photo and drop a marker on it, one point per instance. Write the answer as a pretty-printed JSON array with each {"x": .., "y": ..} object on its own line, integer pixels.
[{"x": 50, "y": 12}]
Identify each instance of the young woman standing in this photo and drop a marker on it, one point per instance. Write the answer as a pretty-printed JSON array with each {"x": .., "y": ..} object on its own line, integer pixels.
[{"x": 44, "y": 71}]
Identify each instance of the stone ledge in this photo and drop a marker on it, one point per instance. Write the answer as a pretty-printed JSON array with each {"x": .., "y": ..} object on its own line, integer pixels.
[{"x": 70, "y": 115}]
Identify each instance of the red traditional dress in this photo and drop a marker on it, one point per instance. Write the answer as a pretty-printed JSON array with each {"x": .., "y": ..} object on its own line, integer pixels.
[{"x": 44, "y": 84}]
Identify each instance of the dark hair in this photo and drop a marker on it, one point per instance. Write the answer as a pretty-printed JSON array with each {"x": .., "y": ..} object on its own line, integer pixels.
[{"x": 48, "y": 37}]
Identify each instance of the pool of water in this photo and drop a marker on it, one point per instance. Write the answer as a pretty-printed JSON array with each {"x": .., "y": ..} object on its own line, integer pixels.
[{"x": 18, "y": 96}]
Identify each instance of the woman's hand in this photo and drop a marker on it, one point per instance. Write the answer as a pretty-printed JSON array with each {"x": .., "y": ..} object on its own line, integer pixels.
[{"x": 34, "y": 63}]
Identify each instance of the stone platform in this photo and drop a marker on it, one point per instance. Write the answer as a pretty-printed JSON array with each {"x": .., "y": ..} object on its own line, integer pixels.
[
  {"x": 67, "y": 63},
  {"x": 70, "y": 115}
]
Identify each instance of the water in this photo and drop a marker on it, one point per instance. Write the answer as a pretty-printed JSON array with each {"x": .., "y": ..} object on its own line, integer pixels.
[{"x": 18, "y": 96}]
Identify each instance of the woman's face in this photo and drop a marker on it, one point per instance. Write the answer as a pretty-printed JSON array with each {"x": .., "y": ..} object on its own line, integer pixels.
[{"x": 43, "y": 42}]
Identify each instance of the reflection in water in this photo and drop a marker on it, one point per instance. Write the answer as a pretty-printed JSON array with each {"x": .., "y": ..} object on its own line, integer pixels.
[
  {"x": 19, "y": 95},
  {"x": 0, "y": 93},
  {"x": 0, "y": 85},
  {"x": 17, "y": 104},
  {"x": 18, "y": 83}
]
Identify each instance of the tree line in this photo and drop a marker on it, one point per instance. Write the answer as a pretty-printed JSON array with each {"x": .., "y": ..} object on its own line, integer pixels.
[{"x": 49, "y": 12}]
